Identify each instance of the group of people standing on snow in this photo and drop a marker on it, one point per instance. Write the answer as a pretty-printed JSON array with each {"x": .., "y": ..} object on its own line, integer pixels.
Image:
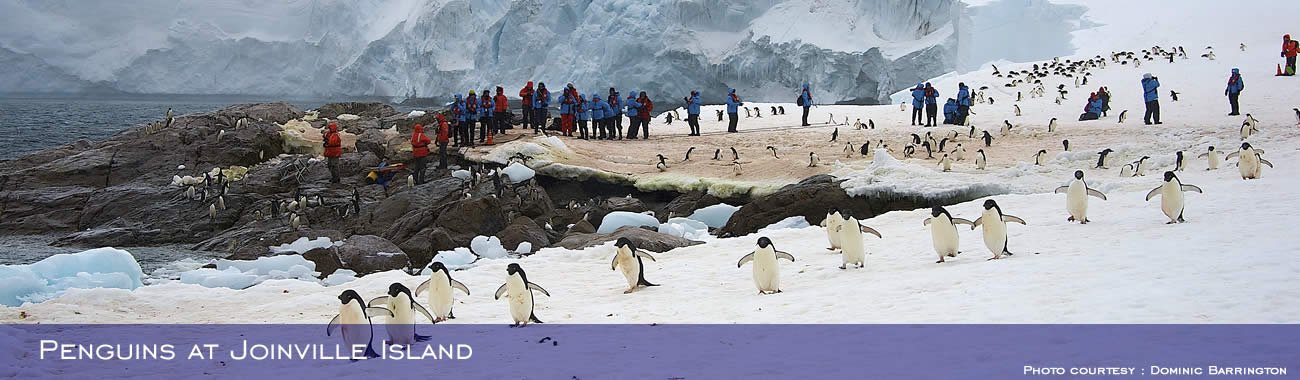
[{"x": 955, "y": 111}]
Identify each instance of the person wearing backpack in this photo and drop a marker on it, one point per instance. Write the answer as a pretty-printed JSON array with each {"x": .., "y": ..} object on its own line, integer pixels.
[
  {"x": 931, "y": 105},
  {"x": 583, "y": 110},
  {"x": 918, "y": 101},
  {"x": 805, "y": 101},
  {"x": 1235, "y": 85},
  {"x": 1151, "y": 94},
  {"x": 1290, "y": 48},
  {"x": 615, "y": 125},
  {"x": 693, "y": 112},
  {"x": 963, "y": 103},
  {"x": 733, "y": 105},
  {"x": 633, "y": 114}
]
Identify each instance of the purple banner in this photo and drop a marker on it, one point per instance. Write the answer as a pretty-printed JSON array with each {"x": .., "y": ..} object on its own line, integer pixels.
[{"x": 557, "y": 351}]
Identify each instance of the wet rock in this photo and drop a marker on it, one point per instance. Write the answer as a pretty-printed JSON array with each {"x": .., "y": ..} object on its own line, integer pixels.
[
  {"x": 686, "y": 204},
  {"x": 425, "y": 244},
  {"x": 643, "y": 238},
  {"x": 812, "y": 198},
  {"x": 523, "y": 229},
  {"x": 326, "y": 259},
  {"x": 366, "y": 254}
]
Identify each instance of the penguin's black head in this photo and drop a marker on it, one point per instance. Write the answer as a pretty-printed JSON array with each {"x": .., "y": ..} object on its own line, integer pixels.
[
  {"x": 834, "y": 210},
  {"x": 397, "y": 288},
  {"x": 437, "y": 266},
  {"x": 764, "y": 242},
  {"x": 990, "y": 204},
  {"x": 1042, "y": 151},
  {"x": 1211, "y": 148},
  {"x": 1144, "y": 158},
  {"x": 1169, "y": 176},
  {"x": 514, "y": 268},
  {"x": 1078, "y": 174},
  {"x": 1245, "y": 146},
  {"x": 349, "y": 295},
  {"x": 936, "y": 211},
  {"x": 623, "y": 242}
]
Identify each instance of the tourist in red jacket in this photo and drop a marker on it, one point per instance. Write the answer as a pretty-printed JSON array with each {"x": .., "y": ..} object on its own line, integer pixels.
[
  {"x": 333, "y": 150},
  {"x": 420, "y": 153},
  {"x": 444, "y": 132}
]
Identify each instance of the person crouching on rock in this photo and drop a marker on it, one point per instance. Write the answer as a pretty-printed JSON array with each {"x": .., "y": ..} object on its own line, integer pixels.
[
  {"x": 333, "y": 151},
  {"x": 419, "y": 153}
]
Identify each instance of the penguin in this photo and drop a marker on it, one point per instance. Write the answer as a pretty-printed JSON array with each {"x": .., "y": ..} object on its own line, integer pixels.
[
  {"x": 1179, "y": 164},
  {"x": 439, "y": 285},
  {"x": 916, "y": 139},
  {"x": 221, "y": 202},
  {"x": 1122, "y": 116},
  {"x": 988, "y": 139},
  {"x": 929, "y": 150},
  {"x": 767, "y": 275},
  {"x": 1141, "y": 166},
  {"x": 1101, "y": 158},
  {"x": 688, "y": 154},
  {"x": 410, "y": 181},
  {"x": 1171, "y": 197},
  {"x": 1249, "y": 161},
  {"x": 909, "y": 150},
  {"x": 812, "y": 159},
  {"x": 851, "y": 234},
  {"x": 943, "y": 232},
  {"x": 1076, "y": 198},
  {"x": 663, "y": 162},
  {"x": 189, "y": 192},
  {"x": 848, "y": 149},
  {"x": 353, "y": 320},
  {"x": 628, "y": 259},
  {"x": 1126, "y": 171},
  {"x": 1212, "y": 156},
  {"x": 212, "y": 212},
  {"x": 1173, "y": 94},
  {"x": 871, "y": 124},
  {"x": 1051, "y": 125},
  {"x": 857, "y": 125},
  {"x": 774, "y": 110},
  {"x": 1297, "y": 115},
  {"x": 930, "y": 139},
  {"x": 220, "y": 134},
  {"x": 1065, "y": 145},
  {"x": 736, "y": 168},
  {"x": 719, "y": 112},
  {"x": 294, "y": 222},
  {"x": 402, "y": 308},
  {"x": 946, "y": 163},
  {"x": 717, "y": 154},
  {"x": 520, "y": 291},
  {"x": 832, "y": 223},
  {"x": 781, "y": 108},
  {"x": 1006, "y": 127},
  {"x": 959, "y": 153},
  {"x": 942, "y": 143},
  {"x": 995, "y": 228},
  {"x": 981, "y": 162},
  {"x": 835, "y": 134},
  {"x": 1017, "y": 106},
  {"x": 865, "y": 149},
  {"x": 734, "y": 154},
  {"x": 746, "y": 111},
  {"x": 1247, "y": 129},
  {"x": 758, "y": 112}
]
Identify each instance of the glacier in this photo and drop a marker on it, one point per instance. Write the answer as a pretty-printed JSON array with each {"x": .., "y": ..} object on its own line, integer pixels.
[{"x": 851, "y": 51}]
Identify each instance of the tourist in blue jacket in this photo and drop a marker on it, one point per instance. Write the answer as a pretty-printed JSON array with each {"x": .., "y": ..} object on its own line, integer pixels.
[
  {"x": 805, "y": 101},
  {"x": 931, "y": 105},
  {"x": 950, "y": 111},
  {"x": 963, "y": 103},
  {"x": 1151, "y": 94},
  {"x": 693, "y": 112},
  {"x": 733, "y": 105},
  {"x": 1092, "y": 110},
  {"x": 583, "y": 110},
  {"x": 633, "y": 119},
  {"x": 607, "y": 118},
  {"x": 918, "y": 101},
  {"x": 615, "y": 125},
  {"x": 1235, "y": 85}
]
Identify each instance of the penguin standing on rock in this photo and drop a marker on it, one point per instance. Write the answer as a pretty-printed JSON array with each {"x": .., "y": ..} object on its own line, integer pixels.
[{"x": 1171, "y": 197}]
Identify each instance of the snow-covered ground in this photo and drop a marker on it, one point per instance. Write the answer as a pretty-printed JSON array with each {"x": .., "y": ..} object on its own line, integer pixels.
[{"x": 1229, "y": 264}]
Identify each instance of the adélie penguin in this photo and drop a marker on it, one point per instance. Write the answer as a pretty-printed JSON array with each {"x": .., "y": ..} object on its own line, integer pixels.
[
  {"x": 354, "y": 321},
  {"x": 853, "y": 250},
  {"x": 767, "y": 275},
  {"x": 1249, "y": 161},
  {"x": 832, "y": 223},
  {"x": 520, "y": 291},
  {"x": 943, "y": 232},
  {"x": 1076, "y": 198},
  {"x": 1212, "y": 158},
  {"x": 1171, "y": 197},
  {"x": 402, "y": 308},
  {"x": 627, "y": 259},
  {"x": 995, "y": 228},
  {"x": 440, "y": 285}
]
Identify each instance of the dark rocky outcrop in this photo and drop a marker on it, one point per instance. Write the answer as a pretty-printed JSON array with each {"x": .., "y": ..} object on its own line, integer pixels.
[
  {"x": 687, "y": 203},
  {"x": 523, "y": 229},
  {"x": 643, "y": 238},
  {"x": 366, "y": 254},
  {"x": 363, "y": 109}
]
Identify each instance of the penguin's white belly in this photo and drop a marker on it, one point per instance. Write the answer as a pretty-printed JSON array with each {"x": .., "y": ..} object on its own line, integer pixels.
[
  {"x": 1249, "y": 166},
  {"x": 833, "y": 236},
  {"x": 630, "y": 268},
  {"x": 521, "y": 301},
  {"x": 980, "y": 163},
  {"x": 1171, "y": 200},
  {"x": 355, "y": 328},
  {"x": 1076, "y": 201},
  {"x": 1214, "y": 161},
  {"x": 995, "y": 236},
  {"x": 767, "y": 276},
  {"x": 440, "y": 298},
  {"x": 944, "y": 235},
  {"x": 855, "y": 251}
]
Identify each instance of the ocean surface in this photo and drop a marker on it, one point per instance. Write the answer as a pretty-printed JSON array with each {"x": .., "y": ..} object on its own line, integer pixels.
[{"x": 32, "y": 124}]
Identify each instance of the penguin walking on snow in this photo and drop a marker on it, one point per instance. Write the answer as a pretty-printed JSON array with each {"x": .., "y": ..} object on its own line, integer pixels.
[
  {"x": 832, "y": 224},
  {"x": 628, "y": 258},
  {"x": 354, "y": 321},
  {"x": 943, "y": 232},
  {"x": 440, "y": 286},
  {"x": 1076, "y": 198},
  {"x": 1101, "y": 158},
  {"x": 1038, "y": 157},
  {"x": 520, "y": 291},
  {"x": 995, "y": 228},
  {"x": 402, "y": 308},
  {"x": 1249, "y": 161},
  {"x": 767, "y": 275},
  {"x": 813, "y": 160},
  {"x": 853, "y": 250},
  {"x": 1171, "y": 197},
  {"x": 1212, "y": 156},
  {"x": 981, "y": 161}
]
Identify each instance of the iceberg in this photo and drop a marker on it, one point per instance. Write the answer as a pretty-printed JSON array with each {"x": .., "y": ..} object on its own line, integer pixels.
[{"x": 45, "y": 279}]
